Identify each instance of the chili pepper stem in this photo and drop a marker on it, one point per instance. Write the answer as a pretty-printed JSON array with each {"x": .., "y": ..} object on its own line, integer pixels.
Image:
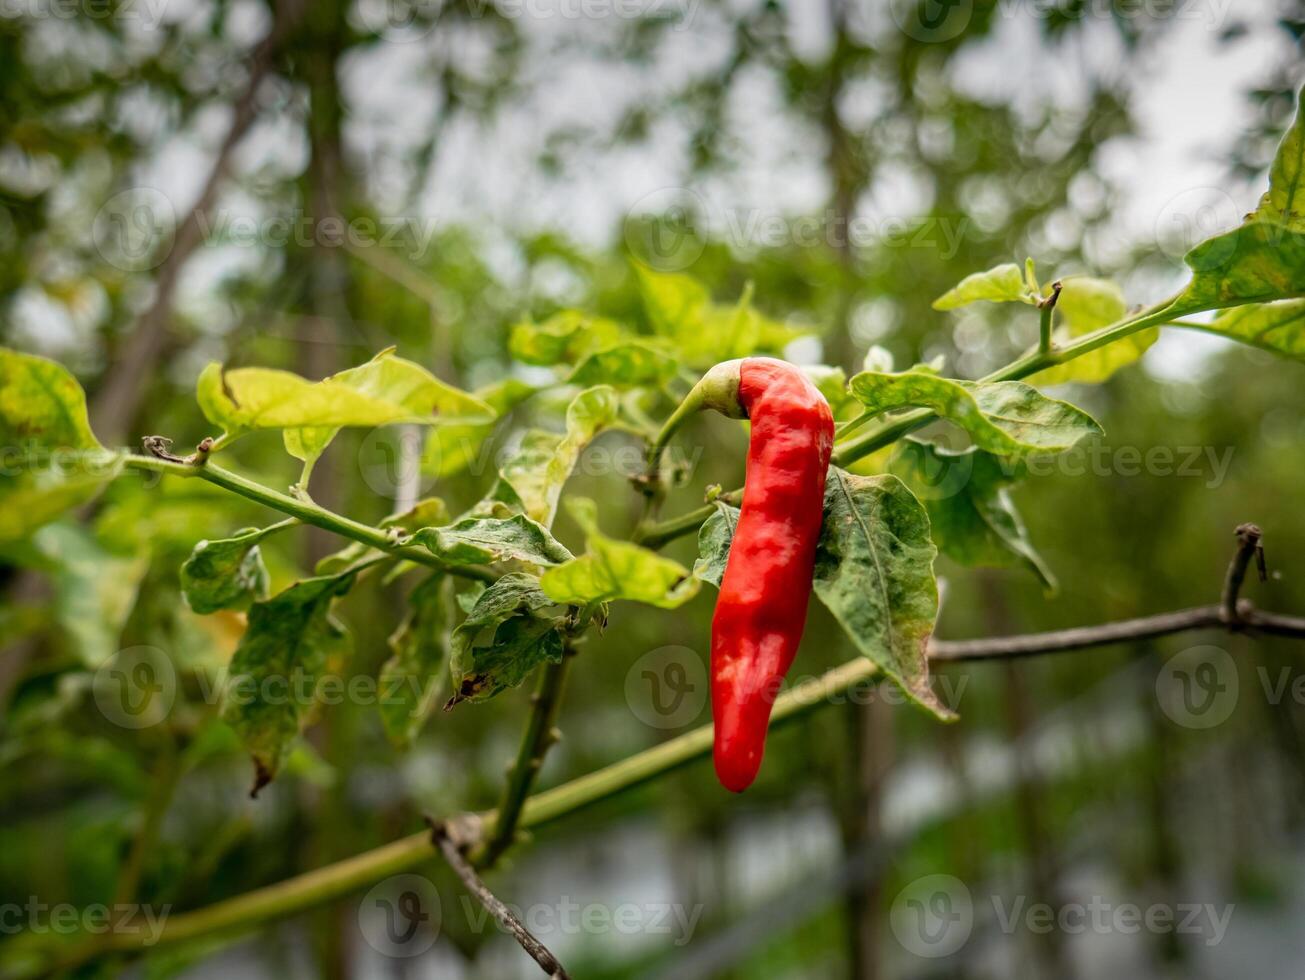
[{"x": 718, "y": 389}]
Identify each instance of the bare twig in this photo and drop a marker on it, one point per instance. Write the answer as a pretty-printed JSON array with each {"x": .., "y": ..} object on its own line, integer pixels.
[
  {"x": 450, "y": 838},
  {"x": 1248, "y": 544}
]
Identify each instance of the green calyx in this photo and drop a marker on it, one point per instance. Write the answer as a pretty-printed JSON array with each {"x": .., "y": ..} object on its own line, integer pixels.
[{"x": 718, "y": 390}]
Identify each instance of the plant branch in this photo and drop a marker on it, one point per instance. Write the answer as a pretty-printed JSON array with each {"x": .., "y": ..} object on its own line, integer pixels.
[
  {"x": 1248, "y": 544},
  {"x": 333, "y": 881},
  {"x": 446, "y": 837},
  {"x": 539, "y": 736},
  {"x": 306, "y": 511}
]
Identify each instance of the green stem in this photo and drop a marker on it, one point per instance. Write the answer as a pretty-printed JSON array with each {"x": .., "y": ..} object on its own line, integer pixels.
[
  {"x": 307, "y": 512},
  {"x": 539, "y": 735}
]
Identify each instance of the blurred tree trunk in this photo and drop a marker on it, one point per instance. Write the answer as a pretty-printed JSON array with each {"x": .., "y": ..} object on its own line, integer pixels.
[
  {"x": 871, "y": 739},
  {"x": 319, "y": 343},
  {"x": 1039, "y": 847}
]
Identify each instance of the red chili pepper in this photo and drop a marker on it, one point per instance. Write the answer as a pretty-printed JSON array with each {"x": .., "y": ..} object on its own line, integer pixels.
[{"x": 762, "y": 607}]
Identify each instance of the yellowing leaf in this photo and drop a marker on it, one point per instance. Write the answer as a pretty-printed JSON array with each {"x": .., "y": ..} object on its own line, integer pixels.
[
  {"x": 1000, "y": 284},
  {"x": 52, "y": 461},
  {"x": 611, "y": 569},
  {"x": 418, "y": 395}
]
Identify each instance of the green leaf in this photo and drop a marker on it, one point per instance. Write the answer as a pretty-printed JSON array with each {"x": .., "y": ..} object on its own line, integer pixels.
[
  {"x": 680, "y": 308},
  {"x": 611, "y": 569},
  {"x": 1001, "y": 284},
  {"x": 675, "y": 303},
  {"x": 1275, "y": 327},
  {"x": 451, "y": 449},
  {"x": 1257, "y": 263},
  {"x": 245, "y": 399},
  {"x": 291, "y": 643},
  {"x": 965, "y": 493},
  {"x": 626, "y": 365},
  {"x": 95, "y": 589},
  {"x": 425, "y": 513},
  {"x": 504, "y": 638},
  {"x": 565, "y": 337},
  {"x": 52, "y": 461},
  {"x": 484, "y": 540},
  {"x": 1284, "y": 201},
  {"x": 874, "y": 572},
  {"x": 1008, "y": 418},
  {"x": 1087, "y": 304},
  {"x": 545, "y": 460},
  {"x": 714, "y": 540},
  {"x": 419, "y": 395},
  {"x": 410, "y": 679},
  {"x": 227, "y": 573}
]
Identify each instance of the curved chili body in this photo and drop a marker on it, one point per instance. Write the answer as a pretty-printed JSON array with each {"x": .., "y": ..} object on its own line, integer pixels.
[{"x": 762, "y": 607}]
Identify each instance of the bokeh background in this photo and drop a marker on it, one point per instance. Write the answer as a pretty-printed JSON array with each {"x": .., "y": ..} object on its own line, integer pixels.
[{"x": 166, "y": 170}]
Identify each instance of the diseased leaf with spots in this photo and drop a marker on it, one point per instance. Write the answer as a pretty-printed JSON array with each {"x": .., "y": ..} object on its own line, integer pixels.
[
  {"x": 292, "y": 641},
  {"x": 419, "y": 395},
  {"x": 611, "y": 569},
  {"x": 485, "y": 540},
  {"x": 53, "y": 461},
  {"x": 1087, "y": 304},
  {"x": 411, "y": 679},
  {"x": 1000, "y": 284},
  {"x": 1284, "y": 201},
  {"x": 714, "y": 540},
  {"x": 966, "y": 494},
  {"x": 1275, "y": 327},
  {"x": 874, "y": 572},
  {"x": 507, "y": 634},
  {"x": 227, "y": 573},
  {"x": 1260, "y": 262},
  {"x": 1007, "y": 418}
]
